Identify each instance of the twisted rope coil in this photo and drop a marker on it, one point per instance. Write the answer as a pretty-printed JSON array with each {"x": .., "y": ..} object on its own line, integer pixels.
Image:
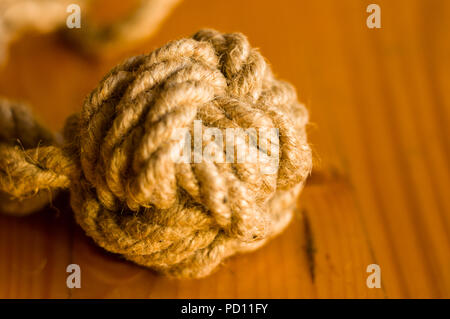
[
  {"x": 128, "y": 193},
  {"x": 19, "y": 16}
]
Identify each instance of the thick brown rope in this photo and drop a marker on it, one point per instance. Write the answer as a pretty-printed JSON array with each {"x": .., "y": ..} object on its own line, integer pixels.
[
  {"x": 138, "y": 25},
  {"x": 19, "y": 16},
  {"x": 129, "y": 194}
]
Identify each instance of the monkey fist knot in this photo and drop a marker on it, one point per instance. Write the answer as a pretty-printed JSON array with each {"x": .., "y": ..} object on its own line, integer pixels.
[{"x": 133, "y": 197}]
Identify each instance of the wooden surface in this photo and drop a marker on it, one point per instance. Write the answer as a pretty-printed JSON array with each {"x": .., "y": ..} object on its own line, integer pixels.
[{"x": 380, "y": 112}]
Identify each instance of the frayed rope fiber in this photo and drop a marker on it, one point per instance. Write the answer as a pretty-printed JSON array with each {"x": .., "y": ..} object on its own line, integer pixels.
[{"x": 182, "y": 219}]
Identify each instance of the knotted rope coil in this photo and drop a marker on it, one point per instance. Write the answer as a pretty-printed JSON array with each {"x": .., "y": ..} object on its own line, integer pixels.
[{"x": 128, "y": 193}]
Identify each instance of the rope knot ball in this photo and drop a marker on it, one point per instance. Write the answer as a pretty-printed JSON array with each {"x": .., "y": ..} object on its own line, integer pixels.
[{"x": 127, "y": 191}]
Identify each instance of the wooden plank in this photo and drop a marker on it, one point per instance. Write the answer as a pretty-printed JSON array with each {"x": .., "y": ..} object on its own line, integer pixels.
[{"x": 34, "y": 254}]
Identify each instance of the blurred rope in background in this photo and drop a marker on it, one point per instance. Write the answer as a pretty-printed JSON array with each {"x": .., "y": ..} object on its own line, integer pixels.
[{"x": 20, "y": 16}]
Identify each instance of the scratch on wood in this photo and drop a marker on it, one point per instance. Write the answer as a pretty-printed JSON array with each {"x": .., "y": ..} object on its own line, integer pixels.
[
  {"x": 310, "y": 247},
  {"x": 326, "y": 176}
]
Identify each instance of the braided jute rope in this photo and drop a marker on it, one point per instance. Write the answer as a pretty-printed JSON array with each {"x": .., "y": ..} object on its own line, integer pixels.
[
  {"x": 139, "y": 24},
  {"x": 127, "y": 192},
  {"x": 19, "y": 16}
]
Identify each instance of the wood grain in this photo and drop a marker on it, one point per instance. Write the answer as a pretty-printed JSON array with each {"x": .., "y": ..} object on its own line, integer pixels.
[{"x": 380, "y": 115}]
